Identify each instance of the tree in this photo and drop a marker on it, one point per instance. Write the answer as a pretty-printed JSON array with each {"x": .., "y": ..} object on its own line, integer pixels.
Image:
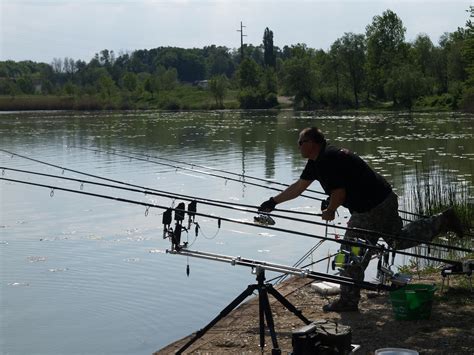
[
  {"x": 336, "y": 66},
  {"x": 129, "y": 81},
  {"x": 70, "y": 88},
  {"x": 385, "y": 44},
  {"x": 269, "y": 80},
  {"x": 248, "y": 74},
  {"x": 25, "y": 84},
  {"x": 218, "y": 87},
  {"x": 353, "y": 55},
  {"x": 423, "y": 54},
  {"x": 468, "y": 54},
  {"x": 57, "y": 65},
  {"x": 151, "y": 85},
  {"x": 106, "y": 85},
  {"x": 299, "y": 79},
  {"x": 405, "y": 85},
  {"x": 219, "y": 61},
  {"x": 269, "y": 57},
  {"x": 167, "y": 79}
]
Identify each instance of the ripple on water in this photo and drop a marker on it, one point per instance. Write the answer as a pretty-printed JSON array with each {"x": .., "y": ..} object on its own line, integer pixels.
[
  {"x": 36, "y": 259},
  {"x": 18, "y": 284},
  {"x": 59, "y": 269},
  {"x": 132, "y": 260}
]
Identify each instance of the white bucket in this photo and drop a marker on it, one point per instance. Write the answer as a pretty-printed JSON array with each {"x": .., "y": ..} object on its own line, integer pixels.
[{"x": 395, "y": 351}]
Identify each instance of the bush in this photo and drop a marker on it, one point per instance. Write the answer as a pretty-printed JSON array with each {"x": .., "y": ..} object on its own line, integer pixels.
[
  {"x": 467, "y": 100},
  {"x": 170, "y": 103},
  {"x": 250, "y": 98},
  {"x": 271, "y": 100}
]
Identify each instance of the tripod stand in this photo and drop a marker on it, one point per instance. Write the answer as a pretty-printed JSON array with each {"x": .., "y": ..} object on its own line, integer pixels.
[{"x": 265, "y": 312}]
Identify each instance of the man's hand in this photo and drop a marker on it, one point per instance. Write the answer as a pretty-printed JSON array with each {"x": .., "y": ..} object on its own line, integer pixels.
[
  {"x": 328, "y": 215},
  {"x": 268, "y": 205}
]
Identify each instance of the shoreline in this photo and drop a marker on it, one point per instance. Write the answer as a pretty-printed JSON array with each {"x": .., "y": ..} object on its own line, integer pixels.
[
  {"x": 30, "y": 103},
  {"x": 448, "y": 331}
]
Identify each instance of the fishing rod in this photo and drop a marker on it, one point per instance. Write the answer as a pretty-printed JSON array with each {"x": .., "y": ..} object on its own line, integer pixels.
[
  {"x": 241, "y": 176},
  {"x": 133, "y": 185},
  {"x": 232, "y": 220},
  {"x": 227, "y": 206},
  {"x": 287, "y": 211},
  {"x": 161, "y": 193},
  {"x": 197, "y": 171},
  {"x": 137, "y": 186}
]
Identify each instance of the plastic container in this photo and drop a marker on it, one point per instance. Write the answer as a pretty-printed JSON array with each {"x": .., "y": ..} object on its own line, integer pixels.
[
  {"x": 326, "y": 288},
  {"x": 413, "y": 302},
  {"x": 395, "y": 351}
]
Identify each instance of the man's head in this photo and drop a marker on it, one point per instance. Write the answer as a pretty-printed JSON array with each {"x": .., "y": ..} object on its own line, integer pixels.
[{"x": 310, "y": 142}]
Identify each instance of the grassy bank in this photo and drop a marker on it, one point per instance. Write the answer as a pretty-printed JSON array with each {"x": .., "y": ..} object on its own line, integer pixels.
[{"x": 183, "y": 97}]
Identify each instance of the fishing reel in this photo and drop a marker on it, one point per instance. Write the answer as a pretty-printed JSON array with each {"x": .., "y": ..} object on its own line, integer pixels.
[
  {"x": 264, "y": 219},
  {"x": 174, "y": 234},
  {"x": 346, "y": 257},
  {"x": 384, "y": 272}
]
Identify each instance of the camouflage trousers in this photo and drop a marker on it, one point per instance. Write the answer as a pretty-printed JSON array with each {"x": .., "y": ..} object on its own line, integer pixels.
[{"x": 384, "y": 218}]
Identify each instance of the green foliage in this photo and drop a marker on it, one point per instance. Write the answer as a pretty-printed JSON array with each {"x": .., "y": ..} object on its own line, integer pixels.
[
  {"x": 351, "y": 53},
  {"x": 299, "y": 79},
  {"x": 253, "y": 98},
  {"x": 385, "y": 44},
  {"x": 269, "y": 57},
  {"x": 359, "y": 68},
  {"x": 404, "y": 86},
  {"x": 129, "y": 81},
  {"x": 248, "y": 74},
  {"x": 467, "y": 102},
  {"x": 218, "y": 87}
]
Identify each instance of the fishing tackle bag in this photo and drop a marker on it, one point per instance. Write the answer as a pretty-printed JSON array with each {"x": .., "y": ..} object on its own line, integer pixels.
[{"x": 323, "y": 338}]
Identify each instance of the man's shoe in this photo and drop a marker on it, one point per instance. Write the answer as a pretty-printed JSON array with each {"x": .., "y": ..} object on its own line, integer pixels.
[
  {"x": 340, "y": 305},
  {"x": 452, "y": 222}
]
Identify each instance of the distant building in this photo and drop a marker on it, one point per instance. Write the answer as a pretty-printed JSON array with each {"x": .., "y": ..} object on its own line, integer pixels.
[{"x": 203, "y": 84}]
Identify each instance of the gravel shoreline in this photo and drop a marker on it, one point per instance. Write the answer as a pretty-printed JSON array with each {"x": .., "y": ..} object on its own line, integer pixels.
[{"x": 450, "y": 330}]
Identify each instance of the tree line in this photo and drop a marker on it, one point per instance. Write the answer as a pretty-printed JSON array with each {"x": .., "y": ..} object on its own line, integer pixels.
[{"x": 370, "y": 69}]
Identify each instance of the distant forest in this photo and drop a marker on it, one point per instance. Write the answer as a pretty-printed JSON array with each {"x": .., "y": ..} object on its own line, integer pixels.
[{"x": 378, "y": 68}]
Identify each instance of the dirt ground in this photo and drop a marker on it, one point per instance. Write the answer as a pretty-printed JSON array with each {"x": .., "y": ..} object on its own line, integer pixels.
[{"x": 449, "y": 331}]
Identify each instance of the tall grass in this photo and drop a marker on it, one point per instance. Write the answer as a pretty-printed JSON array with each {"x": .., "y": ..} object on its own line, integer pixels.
[{"x": 435, "y": 189}]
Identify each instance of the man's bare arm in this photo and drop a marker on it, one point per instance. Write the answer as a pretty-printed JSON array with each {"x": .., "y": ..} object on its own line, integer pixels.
[{"x": 292, "y": 191}]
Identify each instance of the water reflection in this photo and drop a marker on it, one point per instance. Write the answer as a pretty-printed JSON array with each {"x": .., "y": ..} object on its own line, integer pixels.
[{"x": 101, "y": 265}]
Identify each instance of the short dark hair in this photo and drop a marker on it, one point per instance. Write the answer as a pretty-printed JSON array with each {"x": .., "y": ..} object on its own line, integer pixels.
[{"x": 314, "y": 134}]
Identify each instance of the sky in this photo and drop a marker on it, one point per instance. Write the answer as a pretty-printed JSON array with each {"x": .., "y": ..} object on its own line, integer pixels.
[{"x": 40, "y": 30}]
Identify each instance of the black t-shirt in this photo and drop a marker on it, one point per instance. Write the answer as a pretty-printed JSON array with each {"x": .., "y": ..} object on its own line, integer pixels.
[{"x": 339, "y": 168}]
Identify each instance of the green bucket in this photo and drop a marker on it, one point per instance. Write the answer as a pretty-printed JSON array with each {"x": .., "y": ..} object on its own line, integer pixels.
[{"x": 413, "y": 302}]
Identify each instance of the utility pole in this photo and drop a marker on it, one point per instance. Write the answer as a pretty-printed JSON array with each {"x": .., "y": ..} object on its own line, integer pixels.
[{"x": 241, "y": 41}]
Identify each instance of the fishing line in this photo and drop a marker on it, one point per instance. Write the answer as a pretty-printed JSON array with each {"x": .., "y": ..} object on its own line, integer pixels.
[
  {"x": 155, "y": 192},
  {"x": 186, "y": 197},
  {"x": 231, "y": 220},
  {"x": 241, "y": 176},
  {"x": 192, "y": 198},
  {"x": 197, "y": 171}
]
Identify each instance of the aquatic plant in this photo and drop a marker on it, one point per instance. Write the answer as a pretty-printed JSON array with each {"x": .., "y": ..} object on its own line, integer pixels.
[{"x": 433, "y": 190}]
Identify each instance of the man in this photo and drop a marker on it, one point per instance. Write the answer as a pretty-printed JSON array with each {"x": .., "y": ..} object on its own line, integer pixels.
[{"x": 351, "y": 183}]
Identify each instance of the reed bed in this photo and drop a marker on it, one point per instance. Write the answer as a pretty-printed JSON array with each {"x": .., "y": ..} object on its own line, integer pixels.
[{"x": 433, "y": 190}]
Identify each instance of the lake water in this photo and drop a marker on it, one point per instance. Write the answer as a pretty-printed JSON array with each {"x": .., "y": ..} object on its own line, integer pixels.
[{"x": 86, "y": 275}]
